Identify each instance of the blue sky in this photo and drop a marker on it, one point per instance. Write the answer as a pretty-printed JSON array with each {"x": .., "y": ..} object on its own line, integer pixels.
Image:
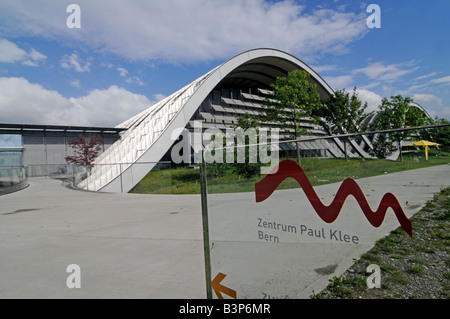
[{"x": 128, "y": 55}]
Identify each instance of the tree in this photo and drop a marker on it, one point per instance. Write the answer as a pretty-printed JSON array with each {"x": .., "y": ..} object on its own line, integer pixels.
[
  {"x": 441, "y": 135},
  {"x": 344, "y": 113},
  {"x": 85, "y": 150},
  {"x": 244, "y": 158},
  {"x": 382, "y": 147},
  {"x": 294, "y": 98},
  {"x": 397, "y": 112}
]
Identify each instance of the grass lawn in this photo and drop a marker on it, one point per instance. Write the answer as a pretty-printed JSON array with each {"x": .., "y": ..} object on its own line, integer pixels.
[
  {"x": 319, "y": 171},
  {"x": 411, "y": 267}
]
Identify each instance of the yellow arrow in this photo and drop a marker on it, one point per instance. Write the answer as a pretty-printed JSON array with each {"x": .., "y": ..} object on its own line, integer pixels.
[{"x": 218, "y": 288}]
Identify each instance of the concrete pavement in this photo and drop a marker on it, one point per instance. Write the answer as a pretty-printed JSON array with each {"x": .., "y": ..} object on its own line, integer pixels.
[
  {"x": 127, "y": 245},
  {"x": 150, "y": 246},
  {"x": 281, "y": 248}
]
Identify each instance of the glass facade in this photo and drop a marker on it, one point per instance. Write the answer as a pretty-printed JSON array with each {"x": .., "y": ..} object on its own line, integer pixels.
[{"x": 11, "y": 160}]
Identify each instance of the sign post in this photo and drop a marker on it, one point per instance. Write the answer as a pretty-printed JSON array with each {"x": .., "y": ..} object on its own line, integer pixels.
[{"x": 203, "y": 190}]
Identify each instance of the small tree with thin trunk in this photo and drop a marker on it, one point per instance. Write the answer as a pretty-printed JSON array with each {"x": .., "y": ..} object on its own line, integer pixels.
[
  {"x": 382, "y": 147},
  {"x": 398, "y": 112},
  {"x": 344, "y": 113},
  {"x": 294, "y": 99},
  {"x": 85, "y": 150}
]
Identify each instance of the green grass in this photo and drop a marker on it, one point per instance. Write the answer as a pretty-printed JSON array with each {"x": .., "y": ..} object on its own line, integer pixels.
[
  {"x": 319, "y": 171},
  {"x": 403, "y": 260},
  {"x": 415, "y": 270}
]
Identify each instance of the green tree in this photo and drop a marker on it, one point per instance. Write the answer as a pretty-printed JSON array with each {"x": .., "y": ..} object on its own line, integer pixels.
[
  {"x": 344, "y": 113},
  {"x": 245, "y": 164},
  {"x": 294, "y": 98},
  {"x": 398, "y": 112},
  {"x": 440, "y": 135},
  {"x": 249, "y": 121},
  {"x": 382, "y": 147}
]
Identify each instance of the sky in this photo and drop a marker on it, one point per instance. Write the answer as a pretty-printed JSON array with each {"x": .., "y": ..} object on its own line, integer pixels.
[{"x": 127, "y": 55}]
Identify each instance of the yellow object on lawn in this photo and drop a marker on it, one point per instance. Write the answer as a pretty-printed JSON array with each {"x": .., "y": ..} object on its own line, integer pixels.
[{"x": 424, "y": 143}]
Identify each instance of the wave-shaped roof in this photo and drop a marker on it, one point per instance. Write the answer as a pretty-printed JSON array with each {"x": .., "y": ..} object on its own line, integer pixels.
[{"x": 148, "y": 136}]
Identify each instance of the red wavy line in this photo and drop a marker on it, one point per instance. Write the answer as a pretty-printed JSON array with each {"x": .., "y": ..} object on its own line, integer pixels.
[{"x": 288, "y": 168}]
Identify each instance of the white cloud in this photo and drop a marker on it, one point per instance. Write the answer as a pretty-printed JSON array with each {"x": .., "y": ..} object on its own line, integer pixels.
[
  {"x": 445, "y": 79},
  {"x": 11, "y": 53},
  {"x": 23, "y": 102},
  {"x": 323, "y": 68},
  {"x": 425, "y": 99},
  {"x": 413, "y": 88},
  {"x": 36, "y": 56},
  {"x": 373, "y": 100},
  {"x": 371, "y": 85},
  {"x": 122, "y": 71},
  {"x": 131, "y": 79},
  {"x": 28, "y": 103},
  {"x": 441, "y": 113},
  {"x": 184, "y": 31},
  {"x": 111, "y": 106},
  {"x": 339, "y": 82},
  {"x": 444, "y": 113},
  {"x": 159, "y": 97},
  {"x": 74, "y": 61},
  {"x": 33, "y": 58},
  {"x": 75, "y": 83},
  {"x": 387, "y": 73},
  {"x": 134, "y": 79},
  {"x": 425, "y": 76},
  {"x": 106, "y": 65}
]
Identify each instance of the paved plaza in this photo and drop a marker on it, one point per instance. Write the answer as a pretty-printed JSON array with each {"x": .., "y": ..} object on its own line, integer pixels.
[{"x": 150, "y": 246}]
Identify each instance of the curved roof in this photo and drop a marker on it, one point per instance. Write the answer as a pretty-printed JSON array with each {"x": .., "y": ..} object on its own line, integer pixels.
[
  {"x": 149, "y": 134},
  {"x": 371, "y": 119},
  {"x": 263, "y": 66},
  {"x": 420, "y": 107}
]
